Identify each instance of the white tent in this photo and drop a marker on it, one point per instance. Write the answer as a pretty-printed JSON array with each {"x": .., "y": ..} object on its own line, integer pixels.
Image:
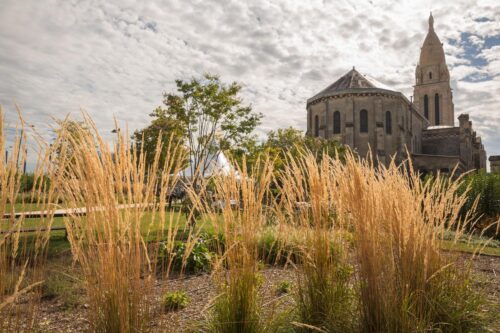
[{"x": 217, "y": 164}]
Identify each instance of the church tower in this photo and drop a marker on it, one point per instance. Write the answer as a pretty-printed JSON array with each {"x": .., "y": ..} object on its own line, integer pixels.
[{"x": 432, "y": 92}]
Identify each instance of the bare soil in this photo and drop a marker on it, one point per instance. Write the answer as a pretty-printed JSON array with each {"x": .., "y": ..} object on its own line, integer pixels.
[{"x": 57, "y": 314}]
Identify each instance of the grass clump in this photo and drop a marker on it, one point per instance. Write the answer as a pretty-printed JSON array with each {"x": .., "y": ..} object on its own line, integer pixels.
[
  {"x": 21, "y": 258},
  {"x": 237, "y": 308},
  {"x": 325, "y": 298},
  {"x": 116, "y": 186},
  {"x": 175, "y": 300},
  {"x": 406, "y": 284}
]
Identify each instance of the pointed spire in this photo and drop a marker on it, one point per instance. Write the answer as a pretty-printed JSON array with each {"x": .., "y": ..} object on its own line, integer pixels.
[{"x": 432, "y": 52}]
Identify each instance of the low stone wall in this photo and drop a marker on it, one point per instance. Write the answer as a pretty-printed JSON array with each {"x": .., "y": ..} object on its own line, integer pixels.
[{"x": 495, "y": 163}]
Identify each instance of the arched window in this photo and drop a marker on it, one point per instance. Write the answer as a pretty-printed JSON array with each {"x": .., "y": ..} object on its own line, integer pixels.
[
  {"x": 388, "y": 123},
  {"x": 426, "y": 107},
  {"x": 363, "y": 121},
  {"x": 436, "y": 109},
  {"x": 430, "y": 75},
  {"x": 316, "y": 125},
  {"x": 336, "y": 122}
]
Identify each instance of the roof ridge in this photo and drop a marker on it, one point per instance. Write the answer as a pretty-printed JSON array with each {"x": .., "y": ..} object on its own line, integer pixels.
[
  {"x": 353, "y": 80},
  {"x": 352, "y": 72}
]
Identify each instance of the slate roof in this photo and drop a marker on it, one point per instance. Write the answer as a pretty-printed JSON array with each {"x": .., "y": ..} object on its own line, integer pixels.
[{"x": 352, "y": 80}]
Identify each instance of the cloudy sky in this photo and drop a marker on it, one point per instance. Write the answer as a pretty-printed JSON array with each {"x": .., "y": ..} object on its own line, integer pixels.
[{"x": 116, "y": 58}]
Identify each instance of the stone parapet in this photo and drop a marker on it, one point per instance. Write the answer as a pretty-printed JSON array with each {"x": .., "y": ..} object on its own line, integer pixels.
[{"x": 494, "y": 163}]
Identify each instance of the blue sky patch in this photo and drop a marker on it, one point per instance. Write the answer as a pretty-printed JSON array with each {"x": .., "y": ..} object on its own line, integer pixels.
[{"x": 473, "y": 45}]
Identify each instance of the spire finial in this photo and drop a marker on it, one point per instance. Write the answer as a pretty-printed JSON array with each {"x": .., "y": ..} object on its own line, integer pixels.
[{"x": 431, "y": 22}]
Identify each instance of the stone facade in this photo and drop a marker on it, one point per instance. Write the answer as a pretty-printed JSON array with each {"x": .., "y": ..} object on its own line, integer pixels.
[
  {"x": 495, "y": 163},
  {"x": 390, "y": 121},
  {"x": 368, "y": 116},
  {"x": 459, "y": 142}
]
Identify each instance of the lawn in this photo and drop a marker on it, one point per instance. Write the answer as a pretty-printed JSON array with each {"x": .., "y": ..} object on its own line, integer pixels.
[
  {"x": 150, "y": 226},
  {"x": 470, "y": 248}
]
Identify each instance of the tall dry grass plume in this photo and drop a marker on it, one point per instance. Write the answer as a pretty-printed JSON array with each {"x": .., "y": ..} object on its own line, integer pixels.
[
  {"x": 22, "y": 253},
  {"x": 117, "y": 241},
  {"x": 402, "y": 281},
  {"x": 309, "y": 220},
  {"x": 236, "y": 212},
  {"x": 363, "y": 239},
  {"x": 406, "y": 283}
]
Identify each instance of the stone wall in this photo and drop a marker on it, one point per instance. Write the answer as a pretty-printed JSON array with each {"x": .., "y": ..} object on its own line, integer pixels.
[
  {"x": 437, "y": 163},
  {"x": 495, "y": 163},
  {"x": 461, "y": 142},
  {"x": 405, "y": 124},
  {"x": 441, "y": 141}
]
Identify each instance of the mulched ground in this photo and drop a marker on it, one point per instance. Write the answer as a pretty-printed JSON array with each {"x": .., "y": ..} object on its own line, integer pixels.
[{"x": 55, "y": 316}]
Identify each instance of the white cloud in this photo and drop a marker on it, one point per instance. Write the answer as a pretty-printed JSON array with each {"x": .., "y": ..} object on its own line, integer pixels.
[{"x": 116, "y": 58}]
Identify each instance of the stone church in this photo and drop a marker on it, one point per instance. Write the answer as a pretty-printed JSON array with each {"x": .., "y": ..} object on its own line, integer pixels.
[{"x": 364, "y": 114}]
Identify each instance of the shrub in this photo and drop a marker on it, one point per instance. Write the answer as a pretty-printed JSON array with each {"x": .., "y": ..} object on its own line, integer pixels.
[
  {"x": 198, "y": 259},
  {"x": 192, "y": 260},
  {"x": 176, "y": 300},
  {"x": 485, "y": 187}
]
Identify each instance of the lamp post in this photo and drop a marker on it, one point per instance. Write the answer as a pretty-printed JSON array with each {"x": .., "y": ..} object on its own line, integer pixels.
[
  {"x": 7, "y": 154},
  {"x": 116, "y": 131},
  {"x": 25, "y": 159}
]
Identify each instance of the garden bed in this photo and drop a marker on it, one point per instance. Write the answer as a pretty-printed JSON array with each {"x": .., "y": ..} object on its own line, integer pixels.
[{"x": 66, "y": 311}]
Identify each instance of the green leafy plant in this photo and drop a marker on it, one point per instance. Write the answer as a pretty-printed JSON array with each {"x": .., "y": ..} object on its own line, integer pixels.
[
  {"x": 198, "y": 260},
  {"x": 194, "y": 259},
  {"x": 175, "y": 300},
  {"x": 284, "y": 287},
  {"x": 484, "y": 187}
]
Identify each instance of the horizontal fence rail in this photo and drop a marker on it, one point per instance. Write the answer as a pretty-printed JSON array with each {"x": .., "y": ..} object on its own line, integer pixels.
[{"x": 82, "y": 211}]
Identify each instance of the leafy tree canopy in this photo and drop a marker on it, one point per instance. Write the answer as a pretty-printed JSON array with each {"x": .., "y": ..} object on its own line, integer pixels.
[
  {"x": 207, "y": 115},
  {"x": 287, "y": 141},
  {"x": 161, "y": 128}
]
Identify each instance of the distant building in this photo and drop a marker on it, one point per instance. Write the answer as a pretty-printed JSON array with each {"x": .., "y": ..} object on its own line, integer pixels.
[
  {"x": 366, "y": 115},
  {"x": 495, "y": 163}
]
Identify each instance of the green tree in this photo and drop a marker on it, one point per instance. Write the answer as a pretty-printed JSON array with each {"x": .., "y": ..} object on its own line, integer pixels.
[
  {"x": 212, "y": 119},
  {"x": 291, "y": 141},
  {"x": 161, "y": 128},
  {"x": 283, "y": 142},
  {"x": 69, "y": 134},
  {"x": 248, "y": 152}
]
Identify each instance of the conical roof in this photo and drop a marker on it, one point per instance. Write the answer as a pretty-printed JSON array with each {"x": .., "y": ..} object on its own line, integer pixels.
[
  {"x": 217, "y": 164},
  {"x": 432, "y": 52},
  {"x": 352, "y": 80}
]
